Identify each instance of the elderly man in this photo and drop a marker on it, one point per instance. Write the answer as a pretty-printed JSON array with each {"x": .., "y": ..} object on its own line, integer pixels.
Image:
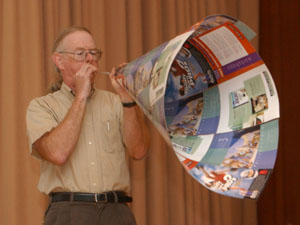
[{"x": 80, "y": 135}]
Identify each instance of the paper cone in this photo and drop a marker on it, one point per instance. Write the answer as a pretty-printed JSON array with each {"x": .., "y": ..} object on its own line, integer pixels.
[{"x": 214, "y": 101}]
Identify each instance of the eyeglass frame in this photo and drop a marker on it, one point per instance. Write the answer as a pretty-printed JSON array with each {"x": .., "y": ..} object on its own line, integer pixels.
[{"x": 86, "y": 51}]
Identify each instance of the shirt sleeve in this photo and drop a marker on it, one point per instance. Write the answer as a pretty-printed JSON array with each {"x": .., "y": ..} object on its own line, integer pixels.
[{"x": 39, "y": 119}]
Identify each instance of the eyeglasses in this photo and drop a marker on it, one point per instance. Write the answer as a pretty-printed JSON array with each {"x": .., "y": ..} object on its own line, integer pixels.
[{"x": 81, "y": 54}]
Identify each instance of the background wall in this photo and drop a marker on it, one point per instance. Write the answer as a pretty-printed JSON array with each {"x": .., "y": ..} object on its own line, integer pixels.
[
  {"x": 279, "y": 47},
  {"x": 164, "y": 193}
]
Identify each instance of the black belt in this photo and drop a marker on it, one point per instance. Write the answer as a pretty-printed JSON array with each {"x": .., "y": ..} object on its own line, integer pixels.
[{"x": 111, "y": 196}]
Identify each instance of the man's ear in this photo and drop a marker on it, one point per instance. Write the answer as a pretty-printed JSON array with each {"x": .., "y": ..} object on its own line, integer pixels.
[{"x": 57, "y": 60}]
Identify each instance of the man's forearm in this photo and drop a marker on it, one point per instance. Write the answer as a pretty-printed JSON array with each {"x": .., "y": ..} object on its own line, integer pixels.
[
  {"x": 135, "y": 133},
  {"x": 57, "y": 145},
  {"x": 136, "y": 136}
]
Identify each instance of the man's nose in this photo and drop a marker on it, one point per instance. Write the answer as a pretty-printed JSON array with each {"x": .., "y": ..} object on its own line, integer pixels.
[{"x": 88, "y": 57}]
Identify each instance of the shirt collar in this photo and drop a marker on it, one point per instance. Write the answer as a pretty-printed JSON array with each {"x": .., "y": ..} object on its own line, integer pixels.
[{"x": 65, "y": 89}]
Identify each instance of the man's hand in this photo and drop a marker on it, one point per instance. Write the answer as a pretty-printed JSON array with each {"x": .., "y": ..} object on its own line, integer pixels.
[
  {"x": 84, "y": 79},
  {"x": 119, "y": 87}
]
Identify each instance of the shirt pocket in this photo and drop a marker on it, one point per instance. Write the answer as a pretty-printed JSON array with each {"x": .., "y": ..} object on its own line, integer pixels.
[{"x": 111, "y": 136}]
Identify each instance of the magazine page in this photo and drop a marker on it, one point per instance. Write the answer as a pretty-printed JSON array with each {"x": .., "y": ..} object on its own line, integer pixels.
[
  {"x": 162, "y": 66},
  {"x": 227, "y": 50},
  {"x": 189, "y": 74},
  {"x": 238, "y": 183},
  {"x": 248, "y": 100},
  {"x": 192, "y": 147},
  {"x": 237, "y": 164},
  {"x": 247, "y": 148},
  {"x": 138, "y": 75}
]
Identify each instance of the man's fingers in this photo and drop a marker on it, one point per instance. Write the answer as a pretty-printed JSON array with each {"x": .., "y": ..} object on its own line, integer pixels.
[
  {"x": 90, "y": 68},
  {"x": 112, "y": 73},
  {"x": 86, "y": 70},
  {"x": 121, "y": 66}
]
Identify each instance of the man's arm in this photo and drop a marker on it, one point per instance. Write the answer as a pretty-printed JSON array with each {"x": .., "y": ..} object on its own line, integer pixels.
[
  {"x": 135, "y": 132},
  {"x": 57, "y": 145}
]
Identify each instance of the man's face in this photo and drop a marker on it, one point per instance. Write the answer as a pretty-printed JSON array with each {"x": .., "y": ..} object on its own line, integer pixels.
[{"x": 79, "y": 40}]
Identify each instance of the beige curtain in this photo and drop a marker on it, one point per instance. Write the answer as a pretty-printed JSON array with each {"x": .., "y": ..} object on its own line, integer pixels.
[{"x": 163, "y": 192}]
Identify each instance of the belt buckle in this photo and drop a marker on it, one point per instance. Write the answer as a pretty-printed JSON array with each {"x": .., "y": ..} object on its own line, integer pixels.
[
  {"x": 96, "y": 197},
  {"x": 105, "y": 197}
]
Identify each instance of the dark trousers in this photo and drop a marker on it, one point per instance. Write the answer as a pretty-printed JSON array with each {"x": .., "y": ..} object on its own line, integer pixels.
[{"x": 88, "y": 213}]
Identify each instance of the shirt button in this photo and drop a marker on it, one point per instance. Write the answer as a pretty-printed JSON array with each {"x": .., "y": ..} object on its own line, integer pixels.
[
  {"x": 90, "y": 142},
  {"x": 92, "y": 163},
  {"x": 94, "y": 184}
]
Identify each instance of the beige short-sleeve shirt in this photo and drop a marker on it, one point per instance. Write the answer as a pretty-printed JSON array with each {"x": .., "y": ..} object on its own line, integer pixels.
[{"x": 98, "y": 162}]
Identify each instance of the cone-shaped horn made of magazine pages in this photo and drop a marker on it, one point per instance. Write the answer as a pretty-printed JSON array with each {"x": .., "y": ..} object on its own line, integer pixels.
[{"x": 214, "y": 101}]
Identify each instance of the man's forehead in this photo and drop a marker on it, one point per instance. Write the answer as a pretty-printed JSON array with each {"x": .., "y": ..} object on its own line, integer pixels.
[{"x": 78, "y": 39}]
